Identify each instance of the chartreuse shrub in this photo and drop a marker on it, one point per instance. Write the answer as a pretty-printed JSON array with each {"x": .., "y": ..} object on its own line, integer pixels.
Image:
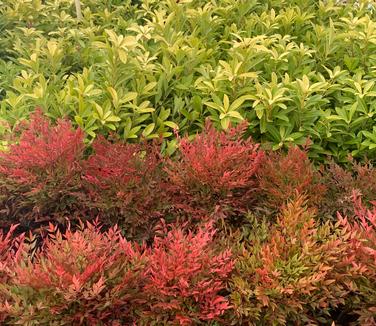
[
  {"x": 293, "y": 69},
  {"x": 89, "y": 277}
]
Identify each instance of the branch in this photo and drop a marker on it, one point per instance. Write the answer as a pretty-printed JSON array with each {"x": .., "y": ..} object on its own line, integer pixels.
[{"x": 78, "y": 9}]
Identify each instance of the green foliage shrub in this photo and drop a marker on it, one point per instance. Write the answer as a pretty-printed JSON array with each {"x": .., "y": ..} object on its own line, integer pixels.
[{"x": 293, "y": 69}]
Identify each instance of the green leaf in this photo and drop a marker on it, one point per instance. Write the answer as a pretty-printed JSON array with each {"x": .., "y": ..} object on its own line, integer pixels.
[
  {"x": 129, "y": 97},
  {"x": 225, "y": 123},
  {"x": 238, "y": 102},
  {"x": 171, "y": 124},
  {"x": 259, "y": 112},
  {"x": 235, "y": 114},
  {"x": 148, "y": 130},
  {"x": 113, "y": 118},
  {"x": 226, "y": 103}
]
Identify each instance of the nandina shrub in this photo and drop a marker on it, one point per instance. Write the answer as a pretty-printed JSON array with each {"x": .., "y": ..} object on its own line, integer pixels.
[
  {"x": 282, "y": 176},
  {"x": 185, "y": 276},
  {"x": 40, "y": 174},
  {"x": 341, "y": 182},
  {"x": 215, "y": 168},
  {"x": 292, "y": 274},
  {"x": 10, "y": 250},
  {"x": 5, "y": 254},
  {"x": 89, "y": 277},
  {"x": 360, "y": 233},
  {"x": 123, "y": 184},
  {"x": 84, "y": 277}
]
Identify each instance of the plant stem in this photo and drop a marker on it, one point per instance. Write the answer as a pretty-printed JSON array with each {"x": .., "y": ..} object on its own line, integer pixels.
[{"x": 78, "y": 9}]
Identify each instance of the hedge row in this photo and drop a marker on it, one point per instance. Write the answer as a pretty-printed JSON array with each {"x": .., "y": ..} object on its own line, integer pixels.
[
  {"x": 221, "y": 233},
  {"x": 51, "y": 175},
  {"x": 295, "y": 70},
  {"x": 294, "y": 271}
]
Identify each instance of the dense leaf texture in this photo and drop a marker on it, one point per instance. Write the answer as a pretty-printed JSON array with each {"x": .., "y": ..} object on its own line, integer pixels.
[{"x": 293, "y": 69}]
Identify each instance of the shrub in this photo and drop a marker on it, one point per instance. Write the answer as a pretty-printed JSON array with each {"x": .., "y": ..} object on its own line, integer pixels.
[
  {"x": 341, "y": 182},
  {"x": 185, "y": 278},
  {"x": 77, "y": 278},
  {"x": 291, "y": 274},
  {"x": 282, "y": 176},
  {"x": 9, "y": 255},
  {"x": 88, "y": 277},
  {"x": 306, "y": 67},
  {"x": 5, "y": 255},
  {"x": 360, "y": 233},
  {"x": 216, "y": 168},
  {"x": 122, "y": 181},
  {"x": 40, "y": 174}
]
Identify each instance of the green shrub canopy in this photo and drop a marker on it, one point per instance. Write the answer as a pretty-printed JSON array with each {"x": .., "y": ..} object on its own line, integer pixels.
[{"x": 295, "y": 70}]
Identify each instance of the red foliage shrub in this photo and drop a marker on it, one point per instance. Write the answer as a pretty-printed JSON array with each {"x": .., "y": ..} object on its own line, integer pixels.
[
  {"x": 300, "y": 271},
  {"x": 185, "y": 276},
  {"x": 340, "y": 184},
  {"x": 83, "y": 277},
  {"x": 216, "y": 168},
  {"x": 123, "y": 181},
  {"x": 282, "y": 176},
  {"x": 40, "y": 173},
  {"x": 5, "y": 244},
  {"x": 292, "y": 274},
  {"x": 9, "y": 255},
  {"x": 361, "y": 260},
  {"x": 42, "y": 148},
  {"x": 88, "y": 277},
  {"x": 119, "y": 165}
]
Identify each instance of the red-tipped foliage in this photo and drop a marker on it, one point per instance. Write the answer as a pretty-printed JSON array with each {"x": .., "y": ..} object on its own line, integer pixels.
[
  {"x": 122, "y": 183},
  {"x": 341, "y": 182},
  {"x": 185, "y": 276},
  {"x": 215, "y": 168},
  {"x": 10, "y": 250},
  {"x": 118, "y": 166},
  {"x": 293, "y": 273},
  {"x": 88, "y": 277},
  {"x": 78, "y": 278},
  {"x": 282, "y": 176},
  {"x": 41, "y": 150},
  {"x": 39, "y": 174},
  {"x": 360, "y": 234},
  {"x": 6, "y": 243}
]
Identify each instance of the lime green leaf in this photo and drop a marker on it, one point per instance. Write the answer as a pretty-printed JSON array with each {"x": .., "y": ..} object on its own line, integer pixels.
[{"x": 148, "y": 130}]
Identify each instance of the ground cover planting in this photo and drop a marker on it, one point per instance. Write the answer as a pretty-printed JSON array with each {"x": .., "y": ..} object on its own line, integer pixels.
[
  {"x": 188, "y": 162},
  {"x": 223, "y": 232}
]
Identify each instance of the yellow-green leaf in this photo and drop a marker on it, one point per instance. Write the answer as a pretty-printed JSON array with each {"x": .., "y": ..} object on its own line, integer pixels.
[{"x": 148, "y": 130}]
